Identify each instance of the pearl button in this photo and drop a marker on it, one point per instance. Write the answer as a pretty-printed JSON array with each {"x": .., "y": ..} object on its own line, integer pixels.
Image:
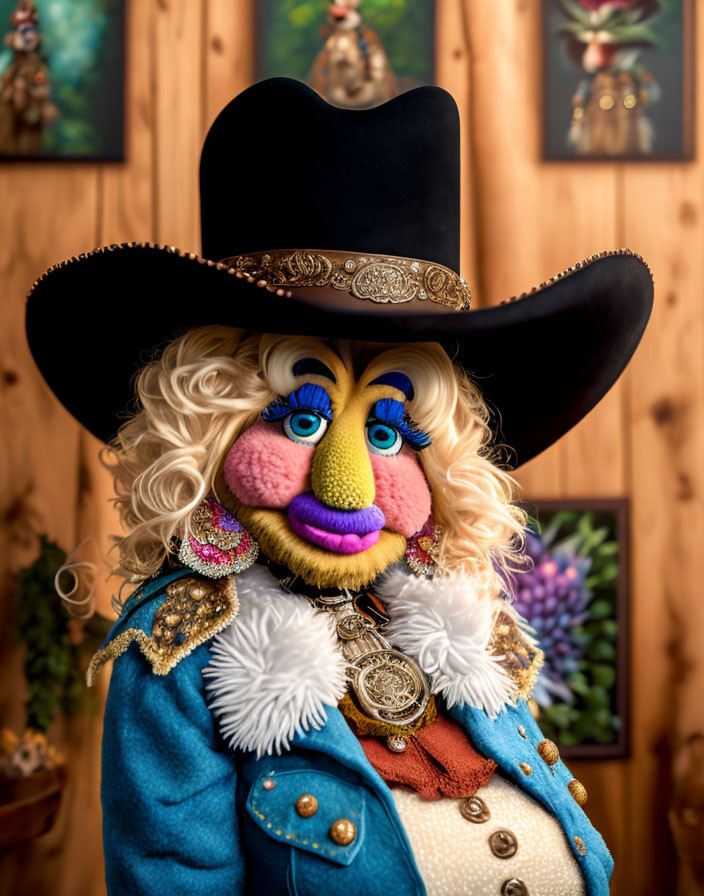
[
  {"x": 342, "y": 832},
  {"x": 522, "y": 731},
  {"x": 306, "y": 805}
]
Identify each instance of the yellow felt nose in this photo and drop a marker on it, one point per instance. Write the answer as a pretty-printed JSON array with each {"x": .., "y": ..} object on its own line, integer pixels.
[{"x": 341, "y": 473}]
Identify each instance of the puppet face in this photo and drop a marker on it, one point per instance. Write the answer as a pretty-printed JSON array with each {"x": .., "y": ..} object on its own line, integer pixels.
[{"x": 329, "y": 479}]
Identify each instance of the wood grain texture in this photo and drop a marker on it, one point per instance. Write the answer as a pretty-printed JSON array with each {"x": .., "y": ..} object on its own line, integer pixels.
[
  {"x": 179, "y": 91},
  {"x": 453, "y": 72},
  {"x": 664, "y": 218},
  {"x": 522, "y": 220},
  {"x": 39, "y": 479},
  {"x": 229, "y": 53},
  {"x": 127, "y": 199}
]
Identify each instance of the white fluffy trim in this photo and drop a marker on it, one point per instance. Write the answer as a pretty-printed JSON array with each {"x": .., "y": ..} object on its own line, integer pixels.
[
  {"x": 273, "y": 671},
  {"x": 446, "y": 624}
]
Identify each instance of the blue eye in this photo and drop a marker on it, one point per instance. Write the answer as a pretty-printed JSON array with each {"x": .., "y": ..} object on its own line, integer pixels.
[
  {"x": 305, "y": 427},
  {"x": 383, "y": 438}
]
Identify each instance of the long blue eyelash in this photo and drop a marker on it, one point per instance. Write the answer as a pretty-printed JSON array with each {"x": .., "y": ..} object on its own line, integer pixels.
[
  {"x": 390, "y": 411},
  {"x": 309, "y": 397}
]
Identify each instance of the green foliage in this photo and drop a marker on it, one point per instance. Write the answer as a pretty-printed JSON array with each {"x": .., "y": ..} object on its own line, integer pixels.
[
  {"x": 53, "y": 663},
  {"x": 289, "y": 34}
]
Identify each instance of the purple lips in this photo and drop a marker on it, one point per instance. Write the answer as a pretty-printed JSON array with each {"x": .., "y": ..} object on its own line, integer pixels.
[{"x": 342, "y": 531}]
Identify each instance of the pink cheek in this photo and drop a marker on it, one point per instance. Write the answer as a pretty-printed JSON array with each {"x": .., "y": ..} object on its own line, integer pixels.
[
  {"x": 401, "y": 491},
  {"x": 266, "y": 469}
]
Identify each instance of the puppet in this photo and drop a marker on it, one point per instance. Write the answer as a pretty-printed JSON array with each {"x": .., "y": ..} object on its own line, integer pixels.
[
  {"x": 25, "y": 88},
  {"x": 320, "y": 684},
  {"x": 352, "y": 69},
  {"x": 604, "y": 39}
]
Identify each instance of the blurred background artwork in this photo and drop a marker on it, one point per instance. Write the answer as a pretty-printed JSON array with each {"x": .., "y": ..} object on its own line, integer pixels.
[
  {"x": 61, "y": 74},
  {"x": 574, "y": 594},
  {"x": 618, "y": 79},
  {"x": 355, "y": 53},
  {"x": 522, "y": 221}
]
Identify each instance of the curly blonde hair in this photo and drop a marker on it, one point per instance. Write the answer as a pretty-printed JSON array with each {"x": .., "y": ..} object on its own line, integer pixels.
[{"x": 212, "y": 383}]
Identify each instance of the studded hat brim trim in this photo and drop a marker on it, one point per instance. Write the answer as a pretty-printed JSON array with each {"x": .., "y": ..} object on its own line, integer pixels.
[{"x": 542, "y": 360}]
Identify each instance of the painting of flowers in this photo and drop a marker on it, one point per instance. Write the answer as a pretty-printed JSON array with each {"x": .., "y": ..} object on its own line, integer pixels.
[
  {"x": 61, "y": 79},
  {"x": 573, "y": 593},
  {"x": 618, "y": 79}
]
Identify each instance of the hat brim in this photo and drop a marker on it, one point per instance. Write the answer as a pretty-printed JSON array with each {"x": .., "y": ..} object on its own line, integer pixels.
[{"x": 542, "y": 361}]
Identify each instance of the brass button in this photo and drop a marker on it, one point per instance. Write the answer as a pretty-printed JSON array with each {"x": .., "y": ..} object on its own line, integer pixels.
[
  {"x": 526, "y": 769},
  {"x": 579, "y": 846},
  {"x": 548, "y": 752},
  {"x": 306, "y": 805},
  {"x": 514, "y": 887},
  {"x": 629, "y": 100},
  {"x": 578, "y": 791},
  {"x": 474, "y": 809},
  {"x": 606, "y": 102},
  {"x": 343, "y": 831},
  {"x": 268, "y": 784},
  {"x": 503, "y": 844}
]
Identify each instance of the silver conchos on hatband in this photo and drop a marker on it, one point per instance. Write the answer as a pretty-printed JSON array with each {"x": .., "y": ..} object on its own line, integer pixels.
[{"x": 389, "y": 686}]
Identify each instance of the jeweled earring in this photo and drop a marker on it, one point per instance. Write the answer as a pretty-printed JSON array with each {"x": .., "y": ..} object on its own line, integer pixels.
[
  {"x": 217, "y": 544},
  {"x": 423, "y": 548}
]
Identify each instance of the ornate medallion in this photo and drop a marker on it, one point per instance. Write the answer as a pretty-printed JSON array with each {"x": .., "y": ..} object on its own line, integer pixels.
[
  {"x": 390, "y": 686},
  {"x": 382, "y": 279}
]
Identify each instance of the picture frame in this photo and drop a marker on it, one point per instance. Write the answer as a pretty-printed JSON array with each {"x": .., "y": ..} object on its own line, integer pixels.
[
  {"x": 72, "y": 54},
  {"x": 587, "y": 687},
  {"x": 291, "y": 37},
  {"x": 631, "y": 101}
]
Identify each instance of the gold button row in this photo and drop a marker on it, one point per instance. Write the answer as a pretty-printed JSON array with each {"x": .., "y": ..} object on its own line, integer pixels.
[{"x": 343, "y": 831}]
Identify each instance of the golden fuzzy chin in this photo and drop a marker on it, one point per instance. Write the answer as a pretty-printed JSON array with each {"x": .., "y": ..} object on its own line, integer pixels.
[{"x": 316, "y": 566}]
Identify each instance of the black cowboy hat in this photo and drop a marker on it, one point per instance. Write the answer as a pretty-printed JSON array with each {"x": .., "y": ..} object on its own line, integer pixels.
[{"x": 342, "y": 224}]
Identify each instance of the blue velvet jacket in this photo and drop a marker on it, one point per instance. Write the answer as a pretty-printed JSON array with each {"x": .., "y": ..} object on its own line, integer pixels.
[{"x": 185, "y": 814}]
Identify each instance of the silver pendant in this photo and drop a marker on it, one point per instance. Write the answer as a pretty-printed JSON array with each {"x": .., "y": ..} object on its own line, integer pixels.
[{"x": 389, "y": 686}]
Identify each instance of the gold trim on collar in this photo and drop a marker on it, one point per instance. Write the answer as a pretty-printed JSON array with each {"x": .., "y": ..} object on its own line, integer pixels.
[
  {"x": 377, "y": 278},
  {"x": 194, "y": 611},
  {"x": 521, "y": 656}
]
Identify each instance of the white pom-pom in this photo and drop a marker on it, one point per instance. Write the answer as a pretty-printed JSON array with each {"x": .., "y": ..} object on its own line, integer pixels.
[
  {"x": 446, "y": 624},
  {"x": 274, "y": 669}
]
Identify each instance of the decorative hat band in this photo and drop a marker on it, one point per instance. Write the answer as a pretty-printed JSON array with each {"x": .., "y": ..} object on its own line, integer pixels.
[{"x": 377, "y": 278}]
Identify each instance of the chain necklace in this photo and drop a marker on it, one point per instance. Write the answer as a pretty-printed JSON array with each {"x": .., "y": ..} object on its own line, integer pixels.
[{"x": 388, "y": 685}]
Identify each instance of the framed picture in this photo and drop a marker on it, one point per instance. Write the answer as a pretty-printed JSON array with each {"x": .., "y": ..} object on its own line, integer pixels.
[
  {"x": 61, "y": 80},
  {"x": 618, "y": 80},
  {"x": 575, "y": 596},
  {"x": 355, "y": 53}
]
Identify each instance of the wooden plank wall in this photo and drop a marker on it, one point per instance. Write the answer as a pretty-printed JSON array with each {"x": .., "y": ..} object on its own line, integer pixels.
[{"x": 523, "y": 220}]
